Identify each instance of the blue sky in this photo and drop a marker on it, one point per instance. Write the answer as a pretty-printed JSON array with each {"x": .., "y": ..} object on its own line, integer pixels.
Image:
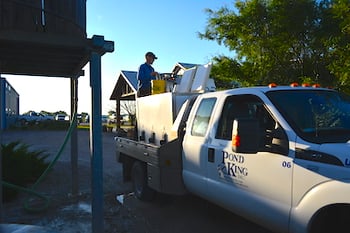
[{"x": 167, "y": 28}]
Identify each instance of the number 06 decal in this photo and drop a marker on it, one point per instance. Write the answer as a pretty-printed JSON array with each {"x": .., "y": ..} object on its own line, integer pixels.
[{"x": 286, "y": 164}]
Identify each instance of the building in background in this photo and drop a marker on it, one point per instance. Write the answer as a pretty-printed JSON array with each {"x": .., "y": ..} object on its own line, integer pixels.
[{"x": 9, "y": 105}]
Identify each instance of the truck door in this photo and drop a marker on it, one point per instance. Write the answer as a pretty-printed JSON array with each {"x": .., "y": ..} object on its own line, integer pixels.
[
  {"x": 194, "y": 147},
  {"x": 257, "y": 185}
]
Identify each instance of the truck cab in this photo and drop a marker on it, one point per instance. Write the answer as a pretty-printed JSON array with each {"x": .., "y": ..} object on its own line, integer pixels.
[{"x": 278, "y": 156}]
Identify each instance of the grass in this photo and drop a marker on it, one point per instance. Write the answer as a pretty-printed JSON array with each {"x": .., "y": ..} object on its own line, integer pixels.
[
  {"x": 44, "y": 125},
  {"x": 84, "y": 127},
  {"x": 21, "y": 166},
  {"x": 63, "y": 125},
  {"x": 105, "y": 127}
]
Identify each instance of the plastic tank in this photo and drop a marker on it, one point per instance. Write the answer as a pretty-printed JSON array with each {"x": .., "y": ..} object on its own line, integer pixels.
[{"x": 66, "y": 17}]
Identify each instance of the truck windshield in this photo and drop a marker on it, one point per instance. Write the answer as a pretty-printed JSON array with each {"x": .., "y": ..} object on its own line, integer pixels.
[{"x": 318, "y": 116}]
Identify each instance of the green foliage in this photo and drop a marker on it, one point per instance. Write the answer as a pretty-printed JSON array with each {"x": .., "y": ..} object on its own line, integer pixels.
[
  {"x": 340, "y": 43},
  {"x": 226, "y": 70},
  {"x": 20, "y": 166},
  {"x": 43, "y": 125},
  {"x": 111, "y": 112},
  {"x": 282, "y": 41}
]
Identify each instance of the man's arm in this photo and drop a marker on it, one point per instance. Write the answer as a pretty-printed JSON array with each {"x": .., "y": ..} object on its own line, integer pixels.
[{"x": 146, "y": 73}]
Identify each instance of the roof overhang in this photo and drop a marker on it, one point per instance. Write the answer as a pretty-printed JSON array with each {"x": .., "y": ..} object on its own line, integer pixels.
[
  {"x": 43, "y": 54},
  {"x": 124, "y": 88}
]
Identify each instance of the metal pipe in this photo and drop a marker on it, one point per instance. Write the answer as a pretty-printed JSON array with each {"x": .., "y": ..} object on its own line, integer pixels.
[
  {"x": 96, "y": 138},
  {"x": 74, "y": 136}
]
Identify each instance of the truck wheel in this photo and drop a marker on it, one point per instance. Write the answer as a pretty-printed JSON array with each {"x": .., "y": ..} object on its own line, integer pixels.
[
  {"x": 331, "y": 219},
  {"x": 139, "y": 182}
]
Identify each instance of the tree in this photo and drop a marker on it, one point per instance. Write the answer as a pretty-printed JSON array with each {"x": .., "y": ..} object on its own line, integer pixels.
[
  {"x": 339, "y": 43},
  {"x": 130, "y": 108},
  {"x": 111, "y": 112},
  {"x": 226, "y": 70},
  {"x": 281, "y": 41}
]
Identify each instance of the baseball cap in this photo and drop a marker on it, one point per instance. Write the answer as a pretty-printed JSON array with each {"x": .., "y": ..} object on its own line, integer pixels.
[{"x": 151, "y": 54}]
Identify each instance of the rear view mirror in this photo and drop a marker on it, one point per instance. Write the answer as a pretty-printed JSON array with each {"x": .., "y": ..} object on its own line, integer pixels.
[{"x": 245, "y": 135}]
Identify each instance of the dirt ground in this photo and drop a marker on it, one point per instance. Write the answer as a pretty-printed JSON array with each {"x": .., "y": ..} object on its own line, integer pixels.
[
  {"x": 65, "y": 212},
  {"x": 123, "y": 213}
]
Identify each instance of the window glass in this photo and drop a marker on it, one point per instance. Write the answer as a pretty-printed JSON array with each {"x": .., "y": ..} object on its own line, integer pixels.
[
  {"x": 242, "y": 106},
  {"x": 272, "y": 137},
  {"x": 317, "y": 116},
  {"x": 202, "y": 117}
]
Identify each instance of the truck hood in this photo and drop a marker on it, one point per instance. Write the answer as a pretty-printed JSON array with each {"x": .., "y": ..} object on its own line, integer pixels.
[{"x": 338, "y": 150}]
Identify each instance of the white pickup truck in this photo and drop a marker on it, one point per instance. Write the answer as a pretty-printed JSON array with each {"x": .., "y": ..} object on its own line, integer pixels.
[{"x": 278, "y": 156}]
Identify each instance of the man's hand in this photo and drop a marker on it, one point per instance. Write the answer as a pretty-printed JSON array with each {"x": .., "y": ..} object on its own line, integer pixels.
[{"x": 155, "y": 74}]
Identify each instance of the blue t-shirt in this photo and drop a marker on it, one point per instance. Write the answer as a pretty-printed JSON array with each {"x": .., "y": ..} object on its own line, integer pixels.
[{"x": 144, "y": 76}]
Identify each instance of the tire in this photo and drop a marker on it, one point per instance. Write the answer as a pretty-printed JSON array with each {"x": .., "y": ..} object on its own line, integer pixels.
[
  {"x": 332, "y": 219},
  {"x": 139, "y": 182}
]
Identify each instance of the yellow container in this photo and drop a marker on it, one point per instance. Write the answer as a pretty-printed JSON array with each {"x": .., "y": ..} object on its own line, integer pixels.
[{"x": 158, "y": 86}]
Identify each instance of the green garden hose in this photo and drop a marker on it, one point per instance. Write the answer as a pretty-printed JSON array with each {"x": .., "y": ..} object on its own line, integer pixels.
[{"x": 31, "y": 190}]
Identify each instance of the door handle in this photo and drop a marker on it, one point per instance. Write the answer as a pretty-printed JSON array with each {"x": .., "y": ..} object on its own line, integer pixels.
[{"x": 211, "y": 155}]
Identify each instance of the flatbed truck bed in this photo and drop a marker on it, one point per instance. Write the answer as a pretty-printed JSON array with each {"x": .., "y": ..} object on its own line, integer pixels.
[{"x": 163, "y": 163}]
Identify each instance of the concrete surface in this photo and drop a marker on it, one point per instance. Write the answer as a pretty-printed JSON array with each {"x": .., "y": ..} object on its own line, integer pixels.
[{"x": 23, "y": 228}]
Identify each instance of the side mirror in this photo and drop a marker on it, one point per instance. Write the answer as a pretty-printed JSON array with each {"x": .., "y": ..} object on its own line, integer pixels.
[{"x": 245, "y": 135}]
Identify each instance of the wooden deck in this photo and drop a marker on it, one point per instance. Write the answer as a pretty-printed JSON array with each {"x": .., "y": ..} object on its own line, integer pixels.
[
  {"x": 43, "y": 38},
  {"x": 42, "y": 54}
]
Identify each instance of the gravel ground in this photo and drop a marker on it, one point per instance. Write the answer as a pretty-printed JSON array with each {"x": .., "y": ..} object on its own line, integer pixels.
[{"x": 65, "y": 212}]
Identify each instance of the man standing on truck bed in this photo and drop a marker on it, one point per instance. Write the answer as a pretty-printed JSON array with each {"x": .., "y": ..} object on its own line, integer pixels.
[{"x": 146, "y": 74}]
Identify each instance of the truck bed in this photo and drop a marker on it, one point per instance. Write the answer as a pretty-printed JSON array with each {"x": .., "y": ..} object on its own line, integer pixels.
[
  {"x": 138, "y": 150},
  {"x": 164, "y": 163}
]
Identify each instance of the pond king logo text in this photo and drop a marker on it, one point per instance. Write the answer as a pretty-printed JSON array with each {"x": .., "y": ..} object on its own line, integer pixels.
[{"x": 232, "y": 166}]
